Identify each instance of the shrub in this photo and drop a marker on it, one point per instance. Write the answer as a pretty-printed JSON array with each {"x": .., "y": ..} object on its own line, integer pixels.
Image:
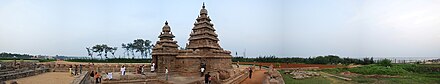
[{"x": 385, "y": 62}]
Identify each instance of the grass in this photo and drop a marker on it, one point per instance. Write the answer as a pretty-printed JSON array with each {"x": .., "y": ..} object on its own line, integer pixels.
[
  {"x": 409, "y": 74},
  {"x": 314, "y": 80}
]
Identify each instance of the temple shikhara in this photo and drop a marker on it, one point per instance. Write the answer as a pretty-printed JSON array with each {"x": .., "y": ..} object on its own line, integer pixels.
[{"x": 203, "y": 49}]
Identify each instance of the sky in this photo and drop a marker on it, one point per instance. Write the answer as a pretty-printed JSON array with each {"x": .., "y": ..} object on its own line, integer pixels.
[{"x": 287, "y": 28}]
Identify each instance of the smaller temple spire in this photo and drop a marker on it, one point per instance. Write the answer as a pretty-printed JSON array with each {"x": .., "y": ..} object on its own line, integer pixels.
[{"x": 166, "y": 22}]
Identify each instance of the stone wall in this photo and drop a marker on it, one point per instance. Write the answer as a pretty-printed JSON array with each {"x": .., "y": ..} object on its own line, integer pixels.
[
  {"x": 191, "y": 66},
  {"x": 88, "y": 67}
]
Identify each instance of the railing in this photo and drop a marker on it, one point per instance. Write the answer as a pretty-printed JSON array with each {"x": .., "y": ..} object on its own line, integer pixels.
[{"x": 83, "y": 78}]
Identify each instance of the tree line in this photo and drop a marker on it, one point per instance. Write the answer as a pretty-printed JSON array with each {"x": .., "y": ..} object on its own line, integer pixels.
[
  {"x": 137, "y": 46},
  {"x": 11, "y": 55},
  {"x": 329, "y": 59}
]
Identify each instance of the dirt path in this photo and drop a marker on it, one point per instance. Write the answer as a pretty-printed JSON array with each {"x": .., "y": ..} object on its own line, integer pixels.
[
  {"x": 257, "y": 77},
  {"x": 334, "y": 80}
]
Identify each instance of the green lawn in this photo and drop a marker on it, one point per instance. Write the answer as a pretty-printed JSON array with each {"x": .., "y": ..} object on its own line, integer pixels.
[{"x": 314, "y": 80}]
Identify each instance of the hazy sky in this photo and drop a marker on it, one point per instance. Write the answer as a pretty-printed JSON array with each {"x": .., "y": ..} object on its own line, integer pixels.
[{"x": 350, "y": 28}]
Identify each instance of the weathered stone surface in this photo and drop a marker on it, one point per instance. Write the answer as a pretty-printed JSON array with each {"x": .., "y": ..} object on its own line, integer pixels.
[{"x": 202, "y": 48}]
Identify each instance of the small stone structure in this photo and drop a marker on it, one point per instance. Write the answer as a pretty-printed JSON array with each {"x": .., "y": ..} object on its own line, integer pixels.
[{"x": 202, "y": 49}]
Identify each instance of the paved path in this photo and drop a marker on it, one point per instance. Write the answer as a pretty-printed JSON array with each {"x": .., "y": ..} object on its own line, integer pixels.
[{"x": 257, "y": 77}]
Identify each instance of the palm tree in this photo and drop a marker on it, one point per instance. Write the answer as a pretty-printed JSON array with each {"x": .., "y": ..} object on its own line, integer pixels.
[
  {"x": 113, "y": 50},
  {"x": 139, "y": 46},
  {"x": 106, "y": 50},
  {"x": 90, "y": 53},
  {"x": 126, "y": 49},
  {"x": 131, "y": 49},
  {"x": 148, "y": 47}
]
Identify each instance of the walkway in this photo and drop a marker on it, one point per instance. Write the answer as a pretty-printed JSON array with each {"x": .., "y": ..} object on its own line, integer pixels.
[{"x": 257, "y": 77}]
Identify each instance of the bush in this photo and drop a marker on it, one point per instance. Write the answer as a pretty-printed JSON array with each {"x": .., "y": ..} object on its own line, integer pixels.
[
  {"x": 385, "y": 62},
  {"x": 375, "y": 69}
]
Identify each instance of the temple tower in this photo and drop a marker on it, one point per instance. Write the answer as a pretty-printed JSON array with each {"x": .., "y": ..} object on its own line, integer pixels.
[
  {"x": 203, "y": 48},
  {"x": 165, "y": 51}
]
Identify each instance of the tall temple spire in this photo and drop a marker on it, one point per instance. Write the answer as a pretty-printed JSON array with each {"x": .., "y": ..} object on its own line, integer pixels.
[{"x": 203, "y": 35}]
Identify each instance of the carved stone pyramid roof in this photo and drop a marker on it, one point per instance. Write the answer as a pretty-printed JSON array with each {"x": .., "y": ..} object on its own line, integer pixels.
[
  {"x": 166, "y": 42},
  {"x": 203, "y": 34}
]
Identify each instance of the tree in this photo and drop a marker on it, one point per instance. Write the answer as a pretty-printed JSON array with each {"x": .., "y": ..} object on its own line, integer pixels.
[
  {"x": 90, "y": 53},
  {"x": 113, "y": 50},
  {"x": 99, "y": 49},
  {"x": 131, "y": 49},
  {"x": 126, "y": 49},
  {"x": 148, "y": 47}
]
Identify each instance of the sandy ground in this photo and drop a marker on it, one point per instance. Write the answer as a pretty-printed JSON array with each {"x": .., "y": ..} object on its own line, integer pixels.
[
  {"x": 46, "y": 78},
  {"x": 257, "y": 77}
]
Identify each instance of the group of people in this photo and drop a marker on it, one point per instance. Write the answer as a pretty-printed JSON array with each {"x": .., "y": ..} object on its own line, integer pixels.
[
  {"x": 140, "y": 69},
  {"x": 95, "y": 76},
  {"x": 73, "y": 69}
]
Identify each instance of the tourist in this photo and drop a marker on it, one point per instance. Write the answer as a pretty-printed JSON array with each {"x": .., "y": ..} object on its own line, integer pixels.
[
  {"x": 207, "y": 78},
  {"x": 80, "y": 68},
  {"x": 70, "y": 70},
  {"x": 238, "y": 64},
  {"x": 76, "y": 70},
  {"x": 152, "y": 67},
  {"x": 202, "y": 71},
  {"x": 92, "y": 76},
  {"x": 166, "y": 73},
  {"x": 110, "y": 75},
  {"x": 142, "y": 70},
  {"x": 97, "y": 77},
  {"x": 123, "y": 70},
  {"x": 250, "y": 72}
]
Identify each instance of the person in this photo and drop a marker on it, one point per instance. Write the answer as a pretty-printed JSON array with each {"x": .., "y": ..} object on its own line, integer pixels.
[
  {"x": 123, "y": 70},
  {"x": 70, "y": 70},
  {"x": 260, "y": 66},
  {"x": 250, "y": 72},
  {"x": 142, "y": 70},
  {"x": 207, "y": 78},
  {"x": 152, "y": 67},
  {"x": 202, "y": 71},
  {"x": 110, "y": 75},
  {"x": 237, "y": 64},
  {"x": 92, "y": 75},
  {"x": 97, "y": 77},
  {"x": 80, "y": 68},
  {"x": 76, "y": 70},
  {"x": 166, "y": 73}
]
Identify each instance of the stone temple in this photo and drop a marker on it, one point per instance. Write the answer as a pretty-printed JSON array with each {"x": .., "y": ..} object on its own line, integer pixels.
[{"x": 202, "y": 48}]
